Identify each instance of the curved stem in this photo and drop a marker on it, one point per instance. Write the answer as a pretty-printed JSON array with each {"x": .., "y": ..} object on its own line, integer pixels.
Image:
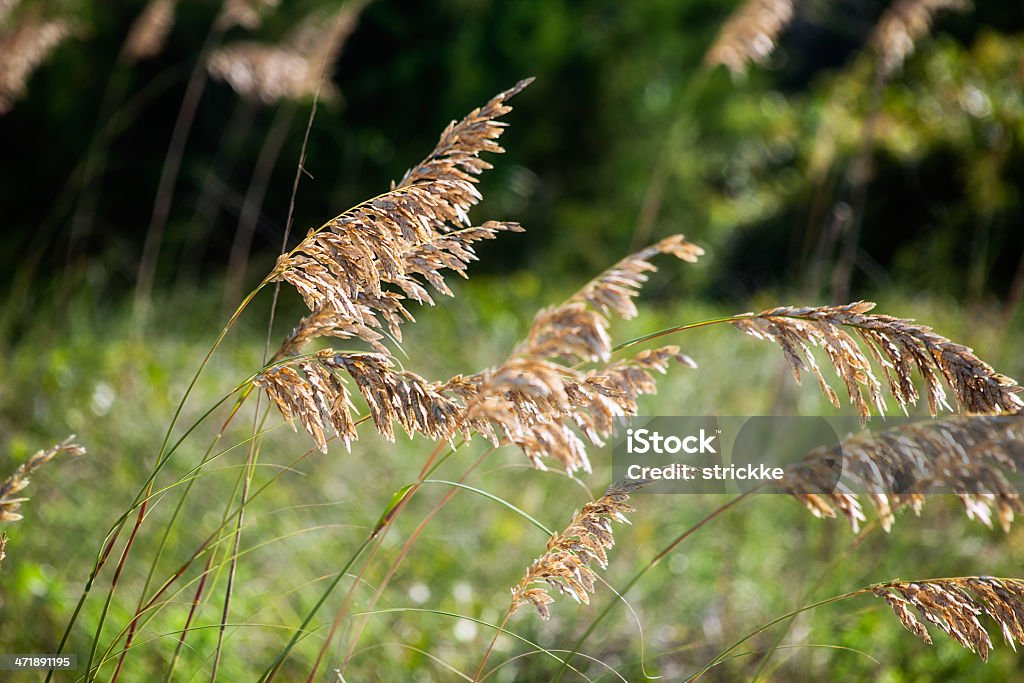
[
  {"x": 170, "y": 526},
  {"x": 169, "y": 176},
  {"x": 271, "y": 670},
  {"x": 487, "y": 654},
  {"x": 854, "y": 544},
  {"x": 163, "y": 456},
  {"x": 788, "y": 615},
  {"x": 247, "y": 475},
  {"x": 679, "y": 328}
]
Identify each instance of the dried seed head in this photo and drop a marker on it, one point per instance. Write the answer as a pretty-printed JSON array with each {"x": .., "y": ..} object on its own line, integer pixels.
[
  {"x": 898, "y": 346},
  {"x": 343, "y": 272},
  {"x": 749, "y": 35},
  {"x": 292, "y": 69},
  {"x": 565, "y": 565},
  {"x": 538, "y": 403},
  {"x": 954, "y": 605},
  {"x": 346, "y": 294},
  {"x": 962, "y": 454},
  {"x": 25, "y": 46},
  {"x": 312, "y": 391},
  {"x": 577, "y": 329},
  {"x": 9, "y": 503},
  {"x": 401, "y": 239},
  {"x": 245, "y": 13},
  {"x": 903, "y": 24},
  {"x": 403, "y": 397},
  {"x": 149, "y": 32},
  {"x": 316, "y": 397},
  {"x": 356, "y": 272}
]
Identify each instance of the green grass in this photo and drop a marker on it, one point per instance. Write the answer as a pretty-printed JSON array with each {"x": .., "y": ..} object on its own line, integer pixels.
[{"x": 86, "y": 369}]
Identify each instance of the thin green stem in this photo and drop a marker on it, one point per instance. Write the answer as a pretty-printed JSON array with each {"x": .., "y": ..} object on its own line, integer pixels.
[
  {"x": 169, "y": 527},
  {"x": 163, "y": 455},
  {"x": 490, "y": 496},
  {"x": 788, "y": 615},
  {"x": 809, "y": 593},
  {"x": 454, "y": 615},
  {"x": 678, "y": 328},
  {"x": 250, "y": 467},
  {"x": 490, "y": 648},
  {"x": 271, "y": 670}
]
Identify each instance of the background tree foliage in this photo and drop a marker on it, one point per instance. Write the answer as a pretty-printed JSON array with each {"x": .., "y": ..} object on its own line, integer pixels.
[{"x": 629, "y": 137}]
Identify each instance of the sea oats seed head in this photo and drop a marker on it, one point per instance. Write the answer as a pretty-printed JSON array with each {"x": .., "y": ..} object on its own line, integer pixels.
[
  {"x": 18, "y": 481},
  {"x": 954, "y": 605},
  {"x": 245, "y": 13},
  {"x": 537, "y": 399},
  {"x": 291, "y": 69},
  {"x": 749, "y": 35},
  {"x": 902, "y": 25},
  {"x": 148, "y": 34},
  {"x": 963, "y": 455},
  {"x": 565, "y": 566},
  {"x": 899, "y": 346},
  {"x": 23, "y": 47},
  {"x": 412, "y": 232}
]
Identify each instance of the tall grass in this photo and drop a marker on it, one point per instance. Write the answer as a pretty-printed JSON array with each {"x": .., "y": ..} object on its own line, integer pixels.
[{"x": 201, "y": 570}]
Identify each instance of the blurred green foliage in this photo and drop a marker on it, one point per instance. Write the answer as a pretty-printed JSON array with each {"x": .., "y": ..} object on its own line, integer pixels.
[
  {"x": 751, "y": 565},
  {"x": 624, "y": 137}
]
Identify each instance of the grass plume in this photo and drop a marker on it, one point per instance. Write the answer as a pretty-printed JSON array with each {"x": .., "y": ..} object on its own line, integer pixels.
[
  {"x": 749, "y": 35},
  {"x": 565, "y": 565},
  {"x": 897, "y": 346},
  {"x": 148, "y": 34},
  {"x": 23, "y": 47},
  {"x": 897, "y": 467},
  {"x": 954, "y": 605},
  {"x": 245, "y": 13},
  {"x": 538, "y": 398},
  {"x": 411, "y": 232},
  {"x": 902, "y": 25},
  {"x": 16, "y": 483},
  {"x": 291, "y": 69}
]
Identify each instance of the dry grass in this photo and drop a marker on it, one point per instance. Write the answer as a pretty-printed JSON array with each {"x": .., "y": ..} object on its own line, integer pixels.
[
  {"x": 538, "y": 397},
  {"x": 749, "y": 35},
  {"x": 559, "y": 389},
  {"x": 245, "y": 13},
  {"x": 16, "y": 483},
  {"x": 565, "y": 565},
  {"x": 897, "y": 346},
  {"x": 394, "y": 239},
  {"x": 291, "y": 69},
  {"x": 902, "y": 25},
  {"x": 898, "y": 467},
  {"x": 149, "y": 32},
  {"x": 23, "y": 47},
  {"x": 320, "y": 401},
  {"x": 954, "y": 605}
]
